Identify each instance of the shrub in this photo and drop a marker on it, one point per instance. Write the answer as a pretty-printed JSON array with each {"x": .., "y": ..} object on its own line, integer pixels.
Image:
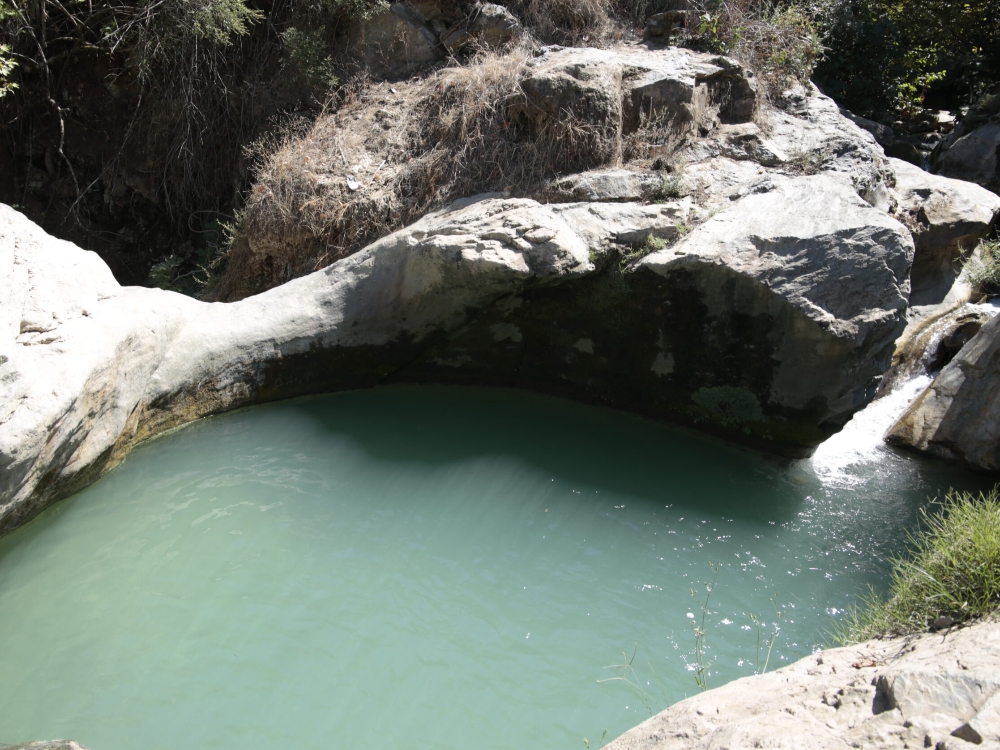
[
  {"x": 983, "y": 270},
  {"x": 307, "y": 57},
  {"x": 779, "y": 42},
  {"x": 885, "y": 57},
  {"x": 566, "y": 21},
  {"x": 952, "y": 571}
]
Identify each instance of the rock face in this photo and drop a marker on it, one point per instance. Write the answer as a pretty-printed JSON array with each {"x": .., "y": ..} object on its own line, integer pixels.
[
  {"x": 974, "y": 157},
  {"x": 957, "y": 417},
  {"x": 938, "y": 691},
  {"x": 688, "y": 92},
  {"x": 715, "y": 331},
  {"x": 744, "y": 278},
  {"x": 947, "y": 218}
]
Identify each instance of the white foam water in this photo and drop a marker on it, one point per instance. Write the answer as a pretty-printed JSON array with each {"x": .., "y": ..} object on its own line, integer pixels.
[{"x": 861, "y": 441}]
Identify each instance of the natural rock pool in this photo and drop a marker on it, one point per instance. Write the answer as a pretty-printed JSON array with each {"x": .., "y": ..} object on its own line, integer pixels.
[{"x": 428, "y": 567}]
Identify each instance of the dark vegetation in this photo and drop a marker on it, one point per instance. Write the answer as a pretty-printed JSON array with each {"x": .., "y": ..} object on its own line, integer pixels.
[{"x": 138, "y": 128}]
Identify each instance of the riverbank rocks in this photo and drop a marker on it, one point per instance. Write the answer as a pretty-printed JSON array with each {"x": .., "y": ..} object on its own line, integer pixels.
[
  {"x": 686, "y": 92},
  {"x": 938, "y": 690},
  {"x": 947, "y": 218},
  {"x": 974, "y": 156},
  {"x": 765, "y": 325},
  {"x": 957, "y": 418}
]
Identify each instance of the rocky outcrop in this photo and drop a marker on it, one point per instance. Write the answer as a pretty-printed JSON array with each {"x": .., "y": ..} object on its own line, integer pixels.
[
  {"x": 936, "y": 690},
  {"x": 46, "y": 745},
  {"x": 685, "y": 92},
  {"x": 764, "y": 325},
  {"x": 972, "y": 156},
  {"x": 947, "y": 218},
  {"x": 957, "y": 417}
]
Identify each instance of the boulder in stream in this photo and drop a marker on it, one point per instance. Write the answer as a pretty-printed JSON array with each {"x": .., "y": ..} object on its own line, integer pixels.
[{"x": 957, "y": 417}]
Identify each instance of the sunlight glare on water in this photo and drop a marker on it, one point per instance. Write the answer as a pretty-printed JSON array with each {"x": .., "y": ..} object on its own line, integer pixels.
[{"x": 424, "y": 567}]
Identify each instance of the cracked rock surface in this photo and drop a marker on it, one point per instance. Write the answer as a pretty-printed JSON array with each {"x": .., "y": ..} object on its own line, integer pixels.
[{"x": 937, "y": 690}]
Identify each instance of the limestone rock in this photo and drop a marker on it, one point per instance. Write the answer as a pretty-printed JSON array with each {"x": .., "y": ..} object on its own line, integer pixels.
[
  {"x": 957, "y": 417},
  {"x": 395, "y": 42},
  {"x": 819, "y": 227},
  {"x": 807, "y": 136},
  {"x": 489, "y": 25},
  {"x": 770, "y": 283},
  {"x": 882, "y": 133},
  {"x": 948, "y": 218},
  {"x": 662, "y": 25},
  {"x": 688, "y": 91},
  {"x": 923, "y": 691},
  {"x": 491, "y": 290},
  {"x": 608, "y": 185},
  {"x": 974, "y": 157}
]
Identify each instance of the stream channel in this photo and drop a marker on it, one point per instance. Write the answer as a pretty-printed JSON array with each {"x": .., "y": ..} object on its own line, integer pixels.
[{"x": 438, "y": 568}]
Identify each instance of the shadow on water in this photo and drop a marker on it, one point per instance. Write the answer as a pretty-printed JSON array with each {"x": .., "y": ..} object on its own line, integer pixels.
[{"x": 580, "y": 445}]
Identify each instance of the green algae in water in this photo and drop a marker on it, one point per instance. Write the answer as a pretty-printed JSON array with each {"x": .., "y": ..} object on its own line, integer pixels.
[{"x": 420, "y": 567}]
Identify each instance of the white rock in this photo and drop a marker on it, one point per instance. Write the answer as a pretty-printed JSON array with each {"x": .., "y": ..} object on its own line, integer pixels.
[
  {"x": 947, "y": 218},
  {"x": 837, "y": 699}
]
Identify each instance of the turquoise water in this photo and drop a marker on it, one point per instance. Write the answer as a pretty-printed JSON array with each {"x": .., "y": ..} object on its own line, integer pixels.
[{"x": 424, "y": 567}]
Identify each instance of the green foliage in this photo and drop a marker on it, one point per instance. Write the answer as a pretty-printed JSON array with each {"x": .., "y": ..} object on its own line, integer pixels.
[
  {"x": 7, "y": 66},
  {"x": 953, "y": 570},
  {"x": 216, "y": 20},
  {"x": 775, "y": 631},
  {"x": 631, "y": 679},
  {"x": 7, "y": 63},
  {"x": 307, "y": 56},
  {"x": 885, "y": 55},
  {"x": 701, "y": 665},
  {"x": 196, "y": 269}
]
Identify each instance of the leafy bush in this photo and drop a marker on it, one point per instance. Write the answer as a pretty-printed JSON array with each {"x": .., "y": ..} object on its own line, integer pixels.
[
  {"x": 307, "y": 56},
  {"x": 953, "y": 571},
  {"x": 886, "y": 56}
]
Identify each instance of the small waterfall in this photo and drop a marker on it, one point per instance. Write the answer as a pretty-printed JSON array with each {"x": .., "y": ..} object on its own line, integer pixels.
[
  {"x": 927, "y": 345},
  {"x": 860, "y": 442}
]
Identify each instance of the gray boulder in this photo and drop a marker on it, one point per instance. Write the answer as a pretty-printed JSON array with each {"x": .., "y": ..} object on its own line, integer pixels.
[
  {"x": 922, "y": 691},
  {"x": 957, "y": 417},
  {"x": 395, "y": 42},
  {"x": 488, "y": 25},
  {"x": 947, "y": 218},
  {"x": 46, "y": 745},
  {"x": 687, "y": 92},
  {"x": 974, "y": 157}
]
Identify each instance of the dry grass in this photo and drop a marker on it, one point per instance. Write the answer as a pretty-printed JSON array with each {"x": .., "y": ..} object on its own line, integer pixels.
[
  {"x": 569, "y": 22},
  {"x": 779, "y": 43},
  {"x": 405, "y": 148}
]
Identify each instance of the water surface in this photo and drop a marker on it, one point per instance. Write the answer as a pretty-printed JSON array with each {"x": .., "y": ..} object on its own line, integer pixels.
[{"x": 427, "y": 567}]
